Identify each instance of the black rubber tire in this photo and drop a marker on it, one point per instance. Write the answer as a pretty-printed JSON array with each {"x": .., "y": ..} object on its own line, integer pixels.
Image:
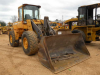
[
  {"x": 32, "y": 42},
  {"x": 88, "y": 41},
  {"x": 15, "y": 43},
  {"x": 79, "y": 31}
]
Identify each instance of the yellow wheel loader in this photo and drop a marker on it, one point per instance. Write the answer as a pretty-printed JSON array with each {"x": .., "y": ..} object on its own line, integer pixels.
[
  {"x": 56, "y": 51},
  {"x": 9, "y": 27},
  {"x": 54, "y": 25},
  {"x": 88, "y": 23},
  {"x": 4, "y": 30},
  {"x": 71, "y": 22},
  {"x": 57, "y": 26}
]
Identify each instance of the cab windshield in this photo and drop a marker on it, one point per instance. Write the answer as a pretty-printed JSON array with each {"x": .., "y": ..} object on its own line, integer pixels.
[{"x": 31, "y": 12}]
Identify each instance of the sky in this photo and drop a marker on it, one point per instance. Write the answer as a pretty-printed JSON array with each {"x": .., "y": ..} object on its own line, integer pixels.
[{"x": 54, "y": 9}]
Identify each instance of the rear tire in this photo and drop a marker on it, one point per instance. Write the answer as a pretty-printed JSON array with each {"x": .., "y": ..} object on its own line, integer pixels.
[
  {"x": 30, "y": 42},
  {"x": 82, "y": 33},
  {"x": 13, "y": 42}
]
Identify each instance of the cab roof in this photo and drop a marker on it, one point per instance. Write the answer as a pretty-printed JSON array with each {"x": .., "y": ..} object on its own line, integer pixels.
[
  {"x": 30, "y": 5},
  {"x": 92, "y": 5}
]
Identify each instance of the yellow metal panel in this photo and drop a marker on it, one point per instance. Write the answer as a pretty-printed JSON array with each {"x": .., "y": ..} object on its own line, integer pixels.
[
  {"x": 16, "y": 31},
  {"x": 73, "y": 19},
  {"x": 29, "y": 25}
]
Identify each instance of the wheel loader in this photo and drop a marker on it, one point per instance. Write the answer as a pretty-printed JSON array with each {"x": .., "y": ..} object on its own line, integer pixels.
[
  {"x": 4, "y": 30},
  {"x": 9, "y": 27},
  {"x": 71, "y": 22},
  {"x": 54, "y": 25},
  {"x": 88, "y": 23},
  {"x": 56, "y": 51},
  {"x": 57, "y": 26}
]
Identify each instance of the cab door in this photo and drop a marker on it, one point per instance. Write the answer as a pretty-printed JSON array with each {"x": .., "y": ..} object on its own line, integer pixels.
[{"x": 82, "y": 16}]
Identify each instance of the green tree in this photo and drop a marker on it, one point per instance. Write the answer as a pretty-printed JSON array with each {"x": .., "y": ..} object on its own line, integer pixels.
[{"x": 2, "y": 23}]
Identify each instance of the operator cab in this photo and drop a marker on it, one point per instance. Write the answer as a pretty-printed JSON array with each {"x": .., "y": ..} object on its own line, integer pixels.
[
  {"x": 10, "y": 24},
  {"x": 85, "y": 15},
  {"x": 27, "y": 11}
]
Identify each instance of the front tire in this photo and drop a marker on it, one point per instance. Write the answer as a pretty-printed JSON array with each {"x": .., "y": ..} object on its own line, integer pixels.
[
  {"x": 13, "y": 42},
  {"x": 30, "y": 42}
]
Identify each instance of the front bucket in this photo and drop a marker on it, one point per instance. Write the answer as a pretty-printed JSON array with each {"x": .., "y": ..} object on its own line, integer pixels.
[{"x": 62, "y": 51}]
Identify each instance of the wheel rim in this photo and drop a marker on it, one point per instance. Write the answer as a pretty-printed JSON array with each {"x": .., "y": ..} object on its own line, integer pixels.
[
  {"x": 25, "y": 43},
  {"x": 10, "y": 38}
]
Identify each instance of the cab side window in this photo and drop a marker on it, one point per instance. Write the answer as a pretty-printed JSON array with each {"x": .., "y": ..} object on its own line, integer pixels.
[{"x": 20, "y": 14}]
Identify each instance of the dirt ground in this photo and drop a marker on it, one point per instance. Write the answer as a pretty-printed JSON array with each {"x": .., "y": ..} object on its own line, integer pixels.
[{"x": 13, "y": 61}]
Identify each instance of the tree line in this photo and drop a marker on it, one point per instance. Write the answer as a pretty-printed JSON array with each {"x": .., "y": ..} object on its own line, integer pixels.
[
  {"x": 13, "y": 19},
  {"x": 2, "y": 23}
]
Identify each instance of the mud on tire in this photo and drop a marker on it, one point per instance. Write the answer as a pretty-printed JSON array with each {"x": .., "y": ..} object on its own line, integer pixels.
[
  {"x": 13, "y": 43},
  {"x": 32, "y": 40}
]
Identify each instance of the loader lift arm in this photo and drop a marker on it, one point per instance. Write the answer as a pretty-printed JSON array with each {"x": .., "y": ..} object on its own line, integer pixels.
[{"x": 47, "y": 30}]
